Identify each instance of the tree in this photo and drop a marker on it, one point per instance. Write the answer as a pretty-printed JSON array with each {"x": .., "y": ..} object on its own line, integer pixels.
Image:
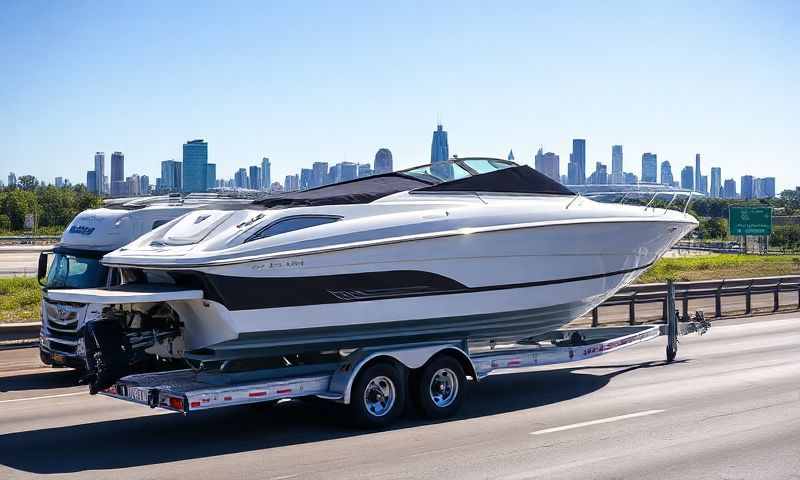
[{"x": 28, "y": 182}]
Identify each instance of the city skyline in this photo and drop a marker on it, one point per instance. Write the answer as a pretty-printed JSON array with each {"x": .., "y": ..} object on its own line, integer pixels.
[{"x": 77, "y": 89}]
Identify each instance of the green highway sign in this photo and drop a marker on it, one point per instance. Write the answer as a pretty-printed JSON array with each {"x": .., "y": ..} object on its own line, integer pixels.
[{"x": 750, "y": 220}]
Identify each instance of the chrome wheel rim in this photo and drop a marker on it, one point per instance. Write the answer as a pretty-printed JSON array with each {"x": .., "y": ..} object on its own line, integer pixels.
[
  {"x": 443, "y": 388},
  {"x": 379, "y": 396}
]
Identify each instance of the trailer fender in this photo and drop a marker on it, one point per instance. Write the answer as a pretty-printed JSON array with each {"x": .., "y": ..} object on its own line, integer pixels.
[{"x": 411, "y": 357}]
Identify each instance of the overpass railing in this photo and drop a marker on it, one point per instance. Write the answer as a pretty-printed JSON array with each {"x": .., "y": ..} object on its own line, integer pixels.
[{"x": 712, "y": 289}]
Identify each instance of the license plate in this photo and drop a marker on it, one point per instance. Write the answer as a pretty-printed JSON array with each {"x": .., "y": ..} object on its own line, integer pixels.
[
  {"x": 58, "y": 358},
  {"x": 137, "y": 394}
]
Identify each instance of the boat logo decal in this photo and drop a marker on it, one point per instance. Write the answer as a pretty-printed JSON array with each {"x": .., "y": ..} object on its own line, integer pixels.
[
  {"x": 81, "y": 230},
  {"x": 278, "y": 264}
]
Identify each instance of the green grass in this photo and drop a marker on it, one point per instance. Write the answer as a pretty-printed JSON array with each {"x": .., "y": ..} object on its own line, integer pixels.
[
  {"x": 718, "y": 267},
  {"x": 19, "y": 299},
  {"x": 39, "y": 231}
]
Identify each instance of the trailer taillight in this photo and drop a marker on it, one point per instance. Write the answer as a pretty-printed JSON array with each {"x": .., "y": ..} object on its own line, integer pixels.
[{"x": 176, "y": 403}]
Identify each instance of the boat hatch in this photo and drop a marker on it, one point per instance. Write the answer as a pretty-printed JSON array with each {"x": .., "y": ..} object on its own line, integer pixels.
[
  {"x": 194, "y": 227},
  {"x": 123, "y": 294}
]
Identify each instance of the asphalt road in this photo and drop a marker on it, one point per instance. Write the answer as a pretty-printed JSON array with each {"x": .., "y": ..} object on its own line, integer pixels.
[
  {"x": 729, "y": 408},
  {"x": 19, "y": 260}
]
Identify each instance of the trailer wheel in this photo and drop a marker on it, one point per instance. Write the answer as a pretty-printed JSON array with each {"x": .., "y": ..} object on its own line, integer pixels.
[
  {"x": 378, "y": 396},
  {"x": 672, "y": 352},
  {"x": 440, "y": 387}
]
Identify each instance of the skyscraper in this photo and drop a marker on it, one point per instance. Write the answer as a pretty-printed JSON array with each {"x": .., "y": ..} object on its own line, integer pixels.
[
  {"x": 99, "y": 172},
  {"x": 729, "y": 190},
  {"x": 687, "y": 178},
  {"x": 305, "y": 178},
  {"x": 349, "y": 171},
  {"x": 666, "y": 173},
  {"x": 510, "y": 156},
  {"x": 577, "y": 159},
  {"x": 440, "y": 153},
  {"x": 383, "y": 161},
  {"x": 291, "y": 184},
  {"x": 12, "y": 180},
  {"x": 703, "y": 184},
  {"x": 59, "y": 182},
  {"x": 747, "y": 188},
  {"x": 266, "y": 173},
  {"x": 91, "y": 181},
  {"x": 599, "y": 176},
  {"x": 170, "y": 176},
  {"x": 649, "y": 168},
  {"x": 548, "y": 164},
  {"x": 211, "y": 175},
  {"x": 255, "y": 177},
  {"x": 617, "y": 174},
  {"x": 144, "y": 185},
  {"x": 697, "y": 173},
  {"x": 768, "y": 187},
  {"x": 716, "y": 182},
  {"x": 364, "y": 170},
  {"x": 319, "y": 175},
  {"x": 117, "y": 173},
  {"x": 240, "y": 179},
  {"x": 195, "y": 165}
]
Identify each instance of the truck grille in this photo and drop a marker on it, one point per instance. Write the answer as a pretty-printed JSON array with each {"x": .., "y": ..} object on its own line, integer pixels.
[{"x": 62, "y": 321}]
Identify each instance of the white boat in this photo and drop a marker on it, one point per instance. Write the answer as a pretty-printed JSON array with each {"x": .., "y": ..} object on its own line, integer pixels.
[{"x": 496, "y": 252}]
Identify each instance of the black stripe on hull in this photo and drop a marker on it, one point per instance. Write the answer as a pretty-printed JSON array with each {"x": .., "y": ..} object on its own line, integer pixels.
[
  {"x": 252, "y": 293},
  {"x": 502, "y": 326}
]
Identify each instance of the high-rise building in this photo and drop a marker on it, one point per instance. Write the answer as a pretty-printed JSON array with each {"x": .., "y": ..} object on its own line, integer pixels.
[
  {"x": 364, "y": 170},
  {"x": 240, "y": 179},
  {"x": 703, "y": 184},
  {"x": 716, "y": 182},
  {"x": 195, "y": 166},
  {"x": 276, "y": 187},
  {"x": 91, "y": 181},
  {"x": 687, "y": 178},
  {"x": 697, "y": 173},
  {"x": 132, "y": 185},
  {"x": 171, "y": 175},
  {"x": 747, "y": 188},
  {"x": 211, "y": 174},
  {"x": 319, "y": 176},
  {"x": 631, "y": 179},
  {"x": 599, "y": 176},
  {"x": 548, "y": 164},
  {"x": 305, "y": 178},
  {"x": 292, "y": 183},
  {"x": 576, "y": 170},
  {"x": 666, "y": 173},
  {"x": 100, "y": 172},
  {"x": 349, "y": 171},
  {"x": 440, "y": 153},
  {"x": 729, "y": 189},
  {"x": 59, "y": 182},
  {"x": 255, "y": 177},
  {"x": 510, "y": 156},
  {"x": 117, "y": 173},
  {"x": 383, "y": 161},
  {"x": 144, "y": 185},
  {"x": 649, "y": 168},
  {"x": 12, "y": 180},
  {"x": 266, "y": 173},
  {"x": 617, "y": 174},
  {"x": 768, "y": 187}
]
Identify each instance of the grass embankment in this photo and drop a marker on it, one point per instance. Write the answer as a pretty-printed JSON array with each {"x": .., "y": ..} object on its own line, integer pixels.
[
  {"x": 718, "y": 267},
  {"x": 19, "y": 299}
]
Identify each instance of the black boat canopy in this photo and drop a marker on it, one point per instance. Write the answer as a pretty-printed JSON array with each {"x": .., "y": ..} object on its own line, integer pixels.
[{"x": 507, "y": 177}]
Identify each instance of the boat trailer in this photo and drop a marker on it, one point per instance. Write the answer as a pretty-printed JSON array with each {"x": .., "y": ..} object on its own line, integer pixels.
[{"x": 376, "y": 380}]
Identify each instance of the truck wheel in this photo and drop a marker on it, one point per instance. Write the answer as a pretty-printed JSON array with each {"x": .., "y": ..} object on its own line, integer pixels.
[
  {"x": 378, "y": 396},
  {"x": 440, "y": 388}
]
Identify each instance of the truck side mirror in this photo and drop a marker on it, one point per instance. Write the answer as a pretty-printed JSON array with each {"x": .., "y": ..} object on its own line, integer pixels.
[{"x": 41, "y": 271}]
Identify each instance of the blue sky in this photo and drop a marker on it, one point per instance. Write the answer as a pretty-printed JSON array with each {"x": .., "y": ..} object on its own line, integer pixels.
[{"x": 332, "y": 81}]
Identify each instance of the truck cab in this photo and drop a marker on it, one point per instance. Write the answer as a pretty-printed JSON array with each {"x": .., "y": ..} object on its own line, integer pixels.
[{"x": 75, "y": 263}]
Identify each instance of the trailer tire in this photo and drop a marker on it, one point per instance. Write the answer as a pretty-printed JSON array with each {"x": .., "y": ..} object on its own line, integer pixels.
[
  {"x": 378, "y": 396},
  {"x": 440, "y": 387}
]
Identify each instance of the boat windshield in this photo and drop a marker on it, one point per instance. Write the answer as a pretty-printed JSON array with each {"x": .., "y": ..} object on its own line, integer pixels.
[
  {"x": 457, "y": 169},
  {"x": 69, "y": 271}
]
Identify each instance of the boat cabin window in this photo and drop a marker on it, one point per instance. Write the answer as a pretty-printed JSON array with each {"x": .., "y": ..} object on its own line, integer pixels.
[{"x": 291, "y": 224}]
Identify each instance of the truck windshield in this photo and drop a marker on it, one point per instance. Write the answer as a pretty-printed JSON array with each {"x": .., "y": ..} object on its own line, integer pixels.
[{"x": 68, "y": 271}]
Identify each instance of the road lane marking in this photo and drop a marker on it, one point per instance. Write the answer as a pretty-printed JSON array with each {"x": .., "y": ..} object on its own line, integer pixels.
[
  {"x": 44, "y": 397},
  {"x": 596, "y": 422}
]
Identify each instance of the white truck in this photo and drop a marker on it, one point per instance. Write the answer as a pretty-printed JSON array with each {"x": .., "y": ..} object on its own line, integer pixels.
[{"x": 75, "y": 263}]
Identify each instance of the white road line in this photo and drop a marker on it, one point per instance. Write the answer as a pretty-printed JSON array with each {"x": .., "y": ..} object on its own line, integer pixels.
[
  {"x": 44, "y": 397},
  {"x": 596, "y": 422}
]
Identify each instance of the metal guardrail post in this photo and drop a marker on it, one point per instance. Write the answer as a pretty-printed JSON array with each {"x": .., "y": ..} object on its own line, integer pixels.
[
  {"x": 632, "y": 310},
  {"x": 776, "y": 297},
  {"x": 718, "y": 301},
  {"x": 594, "y": 317},
  {"x": 686, "y": 305},
  {"x": 748, "y": 297}
]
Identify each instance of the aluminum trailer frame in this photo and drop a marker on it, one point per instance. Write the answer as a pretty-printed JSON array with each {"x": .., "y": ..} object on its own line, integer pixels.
[{"x": 189, "y": 391}]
